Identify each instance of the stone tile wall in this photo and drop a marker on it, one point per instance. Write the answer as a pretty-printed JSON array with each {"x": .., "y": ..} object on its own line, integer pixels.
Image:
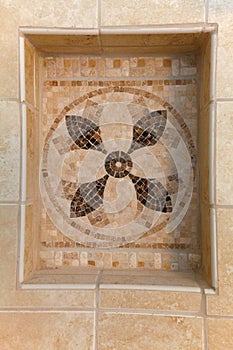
[{"x": 53, "y": 319}]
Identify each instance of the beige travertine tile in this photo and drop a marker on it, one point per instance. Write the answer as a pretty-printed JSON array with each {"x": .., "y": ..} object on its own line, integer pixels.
[
  {"x": 156, "y": 300},
  {"x": 38, "y": 64},
  {"x": 33, "y": 154},
  {"x": 48, "y": 40},
  {"x": 222, "y": 304},
  {"x": 29, "y": 52},
  {"x": 46, "y": 331},
  {"x": 222, "y": 13},
  {"x": 224, "y": 167},
  {"x": 33, "y": 13},
  {"x": 204, "y": 121},
  {"x": 149, "y": 12},
  {"x": 220, "y": 334},
  {"x": 31, "y": 161},
  {"x": 146, "y": 50},
  {"x": 205, "y": 241},
  {"x": 57, "y": 13},
  {"x": 9, "y": 52},
  {"x": 9, "y": 151},
  {"x": 132, "y": 331},
  {"x": 205, "y": 73},
  {"x": 28, "y": 241},
  {"x": 145, "y": 40},
  {"x": 31, "y": 238},
  {"x": 9, "y": 296}
]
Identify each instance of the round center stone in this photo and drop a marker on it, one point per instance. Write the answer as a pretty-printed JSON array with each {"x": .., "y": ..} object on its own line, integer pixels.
[{"x": 118, "y": 164}]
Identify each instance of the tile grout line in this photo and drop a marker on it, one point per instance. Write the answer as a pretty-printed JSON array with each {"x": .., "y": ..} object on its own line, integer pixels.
[
  {"x": 224, "y": 99},
  {"x": 99, "y": 15},
  {"x": 165, "y": 313},
  {"x": 222, "y": 206},
  {"x": 30, "y": 106},
  {"x": 9, "y": 99},
  {"x": 41, "y": 309},
  {"x": 151, "y": 312},
  {"x": 19, "y": 202}
]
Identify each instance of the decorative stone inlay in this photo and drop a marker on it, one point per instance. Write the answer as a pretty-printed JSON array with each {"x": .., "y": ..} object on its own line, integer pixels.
[{"x": 117, "y": 163}]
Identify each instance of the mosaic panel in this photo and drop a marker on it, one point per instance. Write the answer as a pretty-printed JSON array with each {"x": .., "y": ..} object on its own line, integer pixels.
[
  {"x": 118, "y": 166},
  {"x": 67, "y": 82}
]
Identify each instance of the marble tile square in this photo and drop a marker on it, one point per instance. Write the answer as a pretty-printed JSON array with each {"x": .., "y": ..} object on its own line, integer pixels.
[
  {"x": 222, "y": 303},
  {"x": 10, "y": 150},
  {"x": 149, "y": 300},
  {"x": 150, "y": 12},
  {"x": 132, "y": 331},
  {"x": 220, "y": 333},
  {"x": 46, "y": 330},
  {"x": 224, "y": 148},
  {"x": 223, "y": 16}
]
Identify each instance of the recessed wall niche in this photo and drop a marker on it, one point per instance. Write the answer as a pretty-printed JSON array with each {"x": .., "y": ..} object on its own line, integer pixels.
[{"x": 115, "y": 169}]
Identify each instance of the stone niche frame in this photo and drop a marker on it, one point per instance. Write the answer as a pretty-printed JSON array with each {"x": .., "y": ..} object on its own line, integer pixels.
[{"x": 197, "y": 39}]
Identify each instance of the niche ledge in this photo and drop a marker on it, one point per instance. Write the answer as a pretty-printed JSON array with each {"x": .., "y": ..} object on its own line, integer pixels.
[
  {"x": 37, "y": 45},
  {"x": 125, "y": 279}
]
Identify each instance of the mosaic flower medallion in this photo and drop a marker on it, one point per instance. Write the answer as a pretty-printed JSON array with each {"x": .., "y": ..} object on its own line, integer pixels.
[{"x": 118, "y": 163}]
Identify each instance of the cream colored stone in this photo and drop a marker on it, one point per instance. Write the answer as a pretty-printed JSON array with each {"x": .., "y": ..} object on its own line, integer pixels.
[
  {"x": 220, "y": 334},
  {"x": 132, "y": 260},
  {"x": 175, "y": 67},
  {"x": 224, "y": 161},
  {"x": 157, "y": 260},
  {"x": 46, "y": 331},
  {"x": 37, "y": 14},
  {"x": 149, "y": 12},
  {"x": 205, "y": 241},
  {"x": 154, "y": 300},
  {"x": 9, "y": 296},
  {"x": 9, "y": 52},
  {"x": 57, "y": 13},
  {"x": 222, "y": 13},
  {"x": 188, "y": 71},
  {"x": 222, "y": 304},
  {"x": 29, "y": 53},
  {"x": 132, "y": 331},
  {"x": 204, "y": 154},
  {"x": 38, "y": 64},
  {"x": 9, "y": 150}
]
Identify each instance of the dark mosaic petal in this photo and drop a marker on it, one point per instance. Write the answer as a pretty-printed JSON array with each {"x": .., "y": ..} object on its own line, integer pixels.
[
  {"x": 84, "y": 133},
  {"x": 152, "y": 194},
  {"x": 88, "y": 197},
  {"x": 148, "y": 130}
]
